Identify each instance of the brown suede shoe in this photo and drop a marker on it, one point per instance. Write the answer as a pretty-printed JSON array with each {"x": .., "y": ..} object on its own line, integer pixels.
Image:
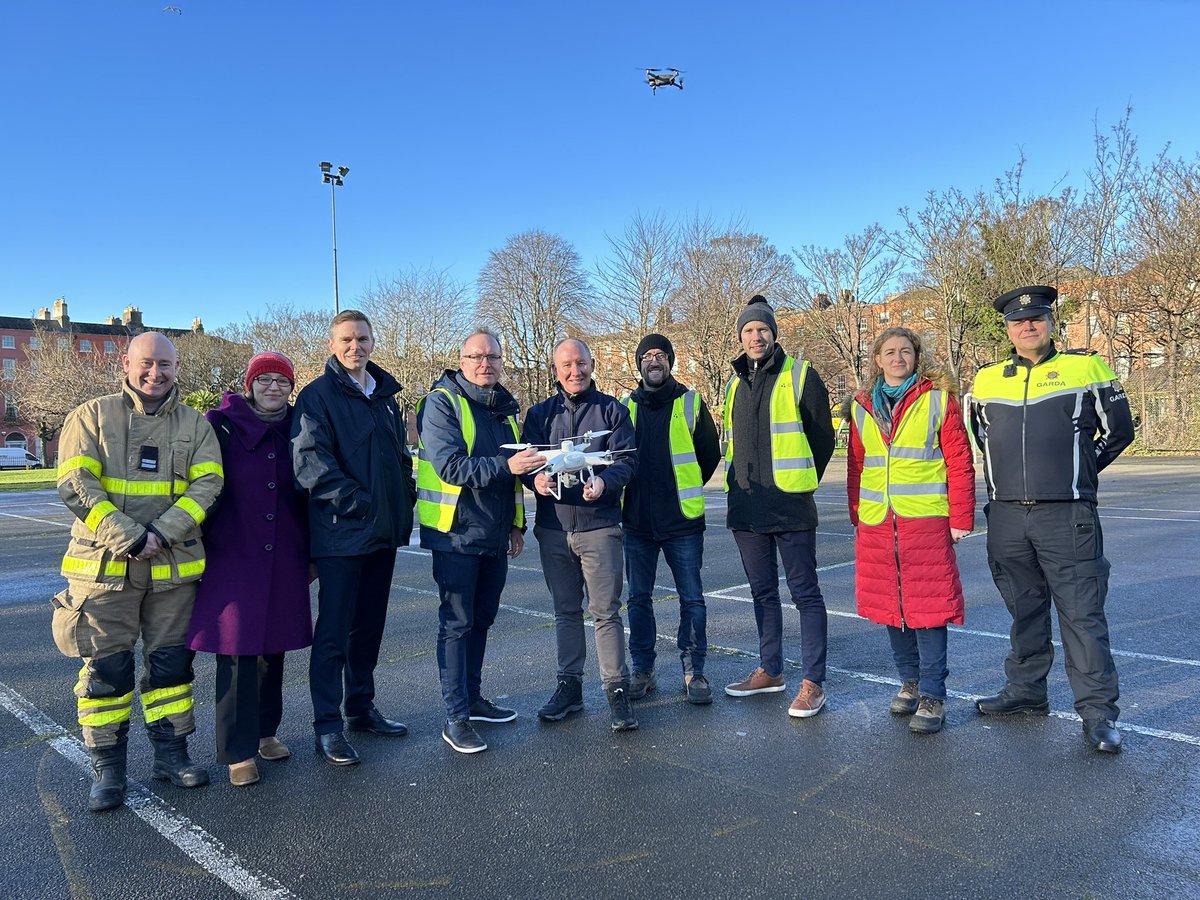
[
  {"x": 759, "y": 682},
  {"x": 243, "y": 773},
  {"x": 809, "y": 702},
  {"x": 274, "y": 750}
]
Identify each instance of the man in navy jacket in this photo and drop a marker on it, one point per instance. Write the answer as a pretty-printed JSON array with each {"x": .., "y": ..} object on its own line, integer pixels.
[
  {"x": 349, "y": 453},
  {"x": 579, "y": 535},
  {"x": 472, "y": 512}
]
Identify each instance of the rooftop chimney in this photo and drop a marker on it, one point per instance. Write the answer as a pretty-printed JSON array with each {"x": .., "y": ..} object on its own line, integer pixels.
[
  {"x": 60, "y": 312},
  {"x": 44, "y": 314},
  {"x": 111, "y": 320},
  {"x": 197, "y": 326},
  {"x": 132, "y": 317}
]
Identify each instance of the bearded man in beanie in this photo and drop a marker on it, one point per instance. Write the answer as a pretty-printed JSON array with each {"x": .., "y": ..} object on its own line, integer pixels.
[
  {"x": 678, "y": 451},
  {"x": 779, "y": 436}
]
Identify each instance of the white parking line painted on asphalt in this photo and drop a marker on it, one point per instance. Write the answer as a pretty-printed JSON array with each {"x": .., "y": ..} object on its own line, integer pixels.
[
  {"x": 32, "y": 519},
  {"x": 196, "y": 843},
  {"x": 1192, "y": 512},
  {"x": 1147, "y": 519}
]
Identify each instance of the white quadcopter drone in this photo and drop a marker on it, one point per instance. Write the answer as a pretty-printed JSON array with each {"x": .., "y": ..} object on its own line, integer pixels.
[{"x": 568, "y": 463}]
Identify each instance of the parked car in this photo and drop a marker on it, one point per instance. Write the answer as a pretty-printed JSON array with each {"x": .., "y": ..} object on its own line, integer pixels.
[{"x": 18, "y": 458}]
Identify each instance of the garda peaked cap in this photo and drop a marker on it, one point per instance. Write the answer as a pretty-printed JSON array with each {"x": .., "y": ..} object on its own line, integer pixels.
[{"x": 1026, "y": 302}]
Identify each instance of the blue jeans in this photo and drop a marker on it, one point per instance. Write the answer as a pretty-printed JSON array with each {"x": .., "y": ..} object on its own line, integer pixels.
[
  {"x": 685, "y": 557},
  {"x": 798, "y": 551},
  {"x": 920, "y": 655},
  {"x": 470, "y": 587}
]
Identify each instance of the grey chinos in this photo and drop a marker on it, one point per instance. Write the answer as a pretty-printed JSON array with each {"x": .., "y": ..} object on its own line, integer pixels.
[{"x": 588, "y": 563}]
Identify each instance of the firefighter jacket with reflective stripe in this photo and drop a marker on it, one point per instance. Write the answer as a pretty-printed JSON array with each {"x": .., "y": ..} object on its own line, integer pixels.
[
  {"x": 907, "y": 473},
  {"x": 123, "y": 472},
  {"x": 1047, "y": 430},
  {"x": 793, "y": 468},
  {"x": 689, "y": 482},
  {"x": 467, "y": 499}
]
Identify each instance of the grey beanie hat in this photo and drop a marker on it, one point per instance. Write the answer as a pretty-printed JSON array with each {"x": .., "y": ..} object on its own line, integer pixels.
[{"x": 758, "y": 310}]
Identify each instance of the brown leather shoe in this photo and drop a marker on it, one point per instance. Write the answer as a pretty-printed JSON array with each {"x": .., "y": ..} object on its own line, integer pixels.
[
  {"x": 809, "y": 702},
  {"x": 759, "y": 682}
]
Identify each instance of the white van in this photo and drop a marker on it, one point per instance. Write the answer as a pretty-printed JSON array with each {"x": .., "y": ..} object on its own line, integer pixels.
[{"x": 18, "y": 458}]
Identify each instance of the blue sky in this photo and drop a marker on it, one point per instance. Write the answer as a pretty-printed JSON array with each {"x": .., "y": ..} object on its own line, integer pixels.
[{"x": 169, "y": 161}]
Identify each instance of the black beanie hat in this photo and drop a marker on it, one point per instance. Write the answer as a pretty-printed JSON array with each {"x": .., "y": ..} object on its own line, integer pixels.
[
  {"x": 655, "y": 342},
  {"x": 758, "y": 310}
]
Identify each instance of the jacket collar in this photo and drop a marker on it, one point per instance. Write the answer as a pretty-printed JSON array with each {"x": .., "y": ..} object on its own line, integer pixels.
[
  {"x": 134, "y": 399},
  {"x": 497, "y": 401},
  {"x": 661, "y": 397},
  {"x": 772, "y": 365},
  {"x": 249, "y": 428},
  {"x": 1018, "y": 360},
  {"x": 385, "y": 384},
  {"x": 586, "y": 395}
]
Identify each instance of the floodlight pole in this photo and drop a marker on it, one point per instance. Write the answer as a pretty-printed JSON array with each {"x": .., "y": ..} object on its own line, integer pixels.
[{"x": 334, "y": 180}]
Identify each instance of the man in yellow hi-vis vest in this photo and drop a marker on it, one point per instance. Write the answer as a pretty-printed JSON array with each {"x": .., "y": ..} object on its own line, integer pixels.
[
  {"x": 779, "y": 436},
  {"x": 678, "y": 450},
  {"x": 140, "y": 471},
  {"x": 472, "y": 513}
]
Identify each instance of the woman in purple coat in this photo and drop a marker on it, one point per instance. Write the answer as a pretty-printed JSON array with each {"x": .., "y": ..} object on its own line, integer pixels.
[{"x": 253, "y": 603}]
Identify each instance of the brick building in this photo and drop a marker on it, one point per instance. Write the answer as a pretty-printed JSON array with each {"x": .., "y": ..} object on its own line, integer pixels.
[{"x": 17, "y": 334}]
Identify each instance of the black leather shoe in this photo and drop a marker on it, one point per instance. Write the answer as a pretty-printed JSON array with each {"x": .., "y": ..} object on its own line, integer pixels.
[
  {"x": 374, "y": 722},
  {"x": 459, "y": 734},
  {"x": 1005, "y": 704},
  {"x": 336, "y": 749},
  {"x": 1102, "y": 734}
]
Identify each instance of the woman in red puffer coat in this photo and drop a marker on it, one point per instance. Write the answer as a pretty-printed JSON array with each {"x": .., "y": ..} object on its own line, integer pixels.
[{"x": 911, "y": 486}]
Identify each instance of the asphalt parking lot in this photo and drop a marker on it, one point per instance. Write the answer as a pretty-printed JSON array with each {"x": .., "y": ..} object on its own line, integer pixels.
[{"x": 732, "y": 800}]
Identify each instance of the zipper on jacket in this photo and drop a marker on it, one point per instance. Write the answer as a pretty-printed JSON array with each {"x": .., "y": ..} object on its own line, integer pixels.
[
  {"x": 895, "y": 525},
  {"x": 574, "y": 509},
  {"x": 1024, "y": 417}
]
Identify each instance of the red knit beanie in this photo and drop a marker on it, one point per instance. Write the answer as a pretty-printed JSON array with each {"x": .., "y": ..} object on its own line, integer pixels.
[{"x": 269, "y": 364}]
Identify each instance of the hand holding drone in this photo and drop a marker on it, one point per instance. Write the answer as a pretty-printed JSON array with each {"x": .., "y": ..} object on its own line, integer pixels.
[{"x": 568, "y": 463}]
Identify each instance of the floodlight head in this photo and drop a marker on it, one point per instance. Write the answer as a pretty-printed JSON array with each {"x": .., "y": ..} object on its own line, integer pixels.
[
  {"x": 343, "y": 171},
  {"x": 326, "y": 167}
]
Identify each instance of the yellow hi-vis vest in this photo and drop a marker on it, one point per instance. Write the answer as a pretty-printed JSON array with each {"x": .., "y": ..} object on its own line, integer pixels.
[
  {"x": 437, "y": 499},
  {"x": 910, "y": 475},
  {"x": 792, "y": 466},
  {"x": 688, "y": 482}
]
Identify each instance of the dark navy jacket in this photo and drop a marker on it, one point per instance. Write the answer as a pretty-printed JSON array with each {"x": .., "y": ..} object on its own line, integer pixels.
[
  {"x": 349, "y": 454},
  {"x": 560, "y": 417},
  {"x": 483, "y": 517}
]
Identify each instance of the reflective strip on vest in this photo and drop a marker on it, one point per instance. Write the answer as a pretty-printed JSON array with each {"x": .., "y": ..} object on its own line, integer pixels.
[
  {"x": 144, "y": 488},
  {"x": 436, "y": 499},
  {"x": 909, "y": 475},
  {"x": 689, "y": 485},
  {"x": 91, "y": 567},
  {"x": 793, "y": 468},
  {"x": 162, "y": 702},
  {"x": 96, "y": 712},
  {"x": 99, "y": 512},
  {"x": 192, "y": 508}
]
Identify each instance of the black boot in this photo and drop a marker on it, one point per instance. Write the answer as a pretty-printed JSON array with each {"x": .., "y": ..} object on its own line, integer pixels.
[
  {"x": 108, "y": 789},
  {"x": 619, "y": 708},
  {"x": 172, "y": 763}
]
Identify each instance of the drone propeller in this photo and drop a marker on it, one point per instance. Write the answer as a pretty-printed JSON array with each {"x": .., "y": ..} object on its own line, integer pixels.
[{"x": 527, "y": 446}]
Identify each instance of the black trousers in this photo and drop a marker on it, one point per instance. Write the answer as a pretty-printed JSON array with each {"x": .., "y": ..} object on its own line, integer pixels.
[
  {"x": 351, "y": 607},
  {"x": 249, "y": 703},
  {"x": 1054, "y": 552}
]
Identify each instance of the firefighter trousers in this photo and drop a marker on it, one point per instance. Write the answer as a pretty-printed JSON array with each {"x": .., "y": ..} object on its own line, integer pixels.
[{"x": 102, "y": 627}]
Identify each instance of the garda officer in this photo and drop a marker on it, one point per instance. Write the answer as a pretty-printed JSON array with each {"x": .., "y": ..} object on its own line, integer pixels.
[
  {"x": 140, "y": 471},
  {"x": 678, "y": 451},
  {"x": 1048, "y": 423},
  {"x": 472, "y": 513},
  {"x": 779, "y": 435}
]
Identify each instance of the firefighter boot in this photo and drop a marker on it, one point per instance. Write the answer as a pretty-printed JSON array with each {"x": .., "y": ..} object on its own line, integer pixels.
[
  {"x": 108, "y": 789},
  {"x": 172, "y": 763}
]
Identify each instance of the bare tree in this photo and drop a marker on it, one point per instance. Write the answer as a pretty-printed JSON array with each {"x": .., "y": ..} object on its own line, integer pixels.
[
  {"x": 841, "y": 284},
  {"x": 635, "y": 284},
  {"x": 56, "y": 377},
  {"x": 533, "y": 290},
  {"x": 419, "y": 318},
  {"x": 211, "y": 363},
  {"x": 300, "y": 334},
  {"x": 718, "y": 274},
  {"x": 942, "y": 247}
]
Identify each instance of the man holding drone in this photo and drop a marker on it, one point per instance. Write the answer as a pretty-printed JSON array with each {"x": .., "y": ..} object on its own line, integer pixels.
[{"x": 579, "y": 533}]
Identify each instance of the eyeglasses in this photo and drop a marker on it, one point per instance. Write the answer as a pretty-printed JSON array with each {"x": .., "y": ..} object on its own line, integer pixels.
[
  {"x": 477, "y": 358},
  {"x": 655, "y": 356},
  {"x": 267, "y": 380}
]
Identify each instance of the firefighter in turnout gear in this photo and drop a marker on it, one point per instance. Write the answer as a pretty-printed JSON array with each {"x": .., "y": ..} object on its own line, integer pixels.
[
  {"x": 140, "y": 471},
  {"x": 1048, "y": 423}
]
